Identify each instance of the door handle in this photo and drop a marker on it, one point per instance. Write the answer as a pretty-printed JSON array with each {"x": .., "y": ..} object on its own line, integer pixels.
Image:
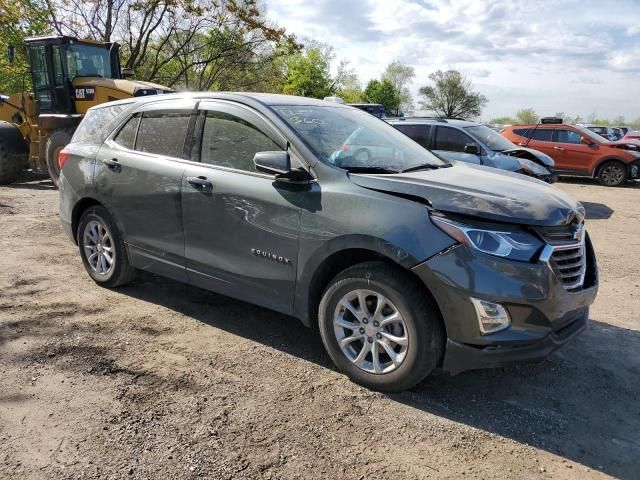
[
  {"x": 201, "y": 183},
  {"x": 113, "y": 164},
  {"x": 559, "y": 149}
]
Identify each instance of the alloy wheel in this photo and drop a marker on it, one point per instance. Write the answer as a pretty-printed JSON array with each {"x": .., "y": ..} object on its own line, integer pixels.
[
  {"x": 371, "y": 331},
  {"x": 612, "y": 174},
  {"x": 98, "y": 247}
]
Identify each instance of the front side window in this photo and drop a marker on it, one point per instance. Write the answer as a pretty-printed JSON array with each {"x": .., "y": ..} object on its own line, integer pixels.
[
  {"x": 417, "y": 133},
  {"x": 230, "y": 141},
  {"x": 567, "y": 136},
  {"x": 88, "y": 61},
  {"x": 328, "y": 131},
  {"x": 452, "y": 140},
  {"x": 163, "y": 133}
]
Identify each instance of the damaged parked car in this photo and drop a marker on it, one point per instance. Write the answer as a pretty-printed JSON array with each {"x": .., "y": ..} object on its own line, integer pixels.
[
  {"x": 471, "y": 142},
  {"x": 579, "y": 151},
  {"x": 403, "y": 262}
]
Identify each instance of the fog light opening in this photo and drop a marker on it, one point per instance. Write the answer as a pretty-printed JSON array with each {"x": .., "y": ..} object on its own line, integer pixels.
[{"x": 492, "y": 317}]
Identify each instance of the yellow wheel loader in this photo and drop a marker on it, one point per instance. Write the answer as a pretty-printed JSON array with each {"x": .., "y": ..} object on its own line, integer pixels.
[{"x": 68, "y": 77}]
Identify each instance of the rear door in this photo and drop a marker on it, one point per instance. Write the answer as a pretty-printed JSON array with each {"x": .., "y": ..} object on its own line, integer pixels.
[
  {"x": 542, "y": 139},
  {"x": 571, "y": 154},
  {"x": 418, "y": 133},
  {"x": 241, "y": 228},
  {"x": 139, "y": 176}
]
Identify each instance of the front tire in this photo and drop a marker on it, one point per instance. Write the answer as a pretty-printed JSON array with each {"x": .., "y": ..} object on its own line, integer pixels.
[
  {"x": 612, "y": 173},
  {"x": 102, "y": 249},
  {"x": 380, "y": 327}
]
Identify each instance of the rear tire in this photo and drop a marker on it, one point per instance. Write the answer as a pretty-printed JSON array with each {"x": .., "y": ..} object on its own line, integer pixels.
[
  {"x": 415, "y": 336},
  {"x": 56, "y": 142},
  {"x": 102, "y": 249},
  {"x": 612, "y": 173},
  {"x": 13, "y": 153}
]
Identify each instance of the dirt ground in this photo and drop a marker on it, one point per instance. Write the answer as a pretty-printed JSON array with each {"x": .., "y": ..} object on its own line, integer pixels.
[{"x": 162, "y": 380}]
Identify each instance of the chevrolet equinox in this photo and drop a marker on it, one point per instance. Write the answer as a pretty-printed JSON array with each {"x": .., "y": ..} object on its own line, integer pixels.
[{"x": 404, "y": 263}]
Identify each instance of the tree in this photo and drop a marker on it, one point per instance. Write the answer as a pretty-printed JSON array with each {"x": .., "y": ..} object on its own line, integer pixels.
[
  {"x": 384, "y": 93},
  {"x": 452, "y": 95},
  {"x": 502, "y": 121},
  {"x": 400, "y": 75},
  {"x": 18, "y": 20},
  {"x": 619, "y": 121},
  {"x": 309, "y": 72},
  {"x": 526, "y": 116},
  {"x": 347, "y": 84}
]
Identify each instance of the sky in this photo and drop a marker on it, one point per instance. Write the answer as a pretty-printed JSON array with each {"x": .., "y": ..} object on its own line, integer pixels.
[{"x": 576, "y": 57}]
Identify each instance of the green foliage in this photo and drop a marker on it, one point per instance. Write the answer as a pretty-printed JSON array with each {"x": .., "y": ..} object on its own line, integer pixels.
[
  {"x": 400, "y": 75},
  {"x": 309, "y": 72},
  {"x": 452, "y": 95},
  {"x": 502, "y": 121},
  {"x": 18, "y": 20},
  {"x": 384, "y": 93},
  {"x": 526, "y": 116}
]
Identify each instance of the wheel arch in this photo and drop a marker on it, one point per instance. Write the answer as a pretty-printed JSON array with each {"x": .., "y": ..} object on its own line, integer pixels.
[
  {"x": 310, "y": 287},
  {"x": 596, "y": 169}
]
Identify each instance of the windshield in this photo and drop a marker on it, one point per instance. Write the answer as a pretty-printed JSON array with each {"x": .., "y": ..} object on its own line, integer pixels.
[
  {"x": 88, "y": 61},
  {"x": 490, "y": 138},
  {"x": 353, "y": 139},
  {"x": 592, "y": 135}
]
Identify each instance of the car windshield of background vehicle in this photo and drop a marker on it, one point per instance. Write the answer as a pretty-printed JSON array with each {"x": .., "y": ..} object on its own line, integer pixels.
[
  {"x": 355, "y": 140},
  {"x": 490, "y": 138},
  {"x": 592, "y": 135},
  {"x": 88, "y": 61}
]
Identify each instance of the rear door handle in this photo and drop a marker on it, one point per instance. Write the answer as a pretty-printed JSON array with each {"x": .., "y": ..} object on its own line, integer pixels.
[
  {"x": 559, "y": 148},
  {"x": 201, "y": 183},
  {"x": 113, "y": 164}
]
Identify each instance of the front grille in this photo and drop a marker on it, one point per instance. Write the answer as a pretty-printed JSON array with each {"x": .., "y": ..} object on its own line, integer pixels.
[{"x": 569, "y": 264}]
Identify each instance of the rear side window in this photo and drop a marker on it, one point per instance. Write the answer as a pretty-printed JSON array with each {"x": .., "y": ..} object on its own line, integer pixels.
[
  {"x": 163, "y": 133},
  {"x": 126, "y": 137},
  {"x": 541, "y": 134},
  {"x": 230, "y": 141},
  {"x": 523, "y": 132},
  {"x": 567, "y": 136},
  {"x": 452, "y": 140},
  {"x": 93, "y": 128},
  {"x": 417, "y": 133}
]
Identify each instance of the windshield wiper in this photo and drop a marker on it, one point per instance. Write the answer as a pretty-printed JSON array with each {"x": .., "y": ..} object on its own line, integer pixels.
[
  {"x": 371, "y": 169},
  {"x": 426, "y": 166}
]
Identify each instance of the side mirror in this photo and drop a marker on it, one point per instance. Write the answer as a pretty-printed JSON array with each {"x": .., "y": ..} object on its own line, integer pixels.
[
  {"x": 276, "y": 163},
  {"x": 11, "y": 54},
  {"x": 585, "y": 140},
  {"x": 472, "y": 149},
  {"x": 127, "y": 72}
]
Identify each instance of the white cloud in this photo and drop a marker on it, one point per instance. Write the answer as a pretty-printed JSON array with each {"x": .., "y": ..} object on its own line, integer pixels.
[{"x": 559, "y": 55}]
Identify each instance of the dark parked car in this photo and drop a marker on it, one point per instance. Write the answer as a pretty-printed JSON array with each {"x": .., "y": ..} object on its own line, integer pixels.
[
  {"x": 454, "y": 139},
  {"x": 374, "y": 109},
  {"x": 405, "y": 263}
]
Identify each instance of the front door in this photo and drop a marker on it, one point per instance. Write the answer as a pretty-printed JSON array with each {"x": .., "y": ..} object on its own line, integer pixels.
[
  {"x": 571, "y": 154},
  {"x": 449, "y": 143},
  {"x": 139, "y": 176},
  {"x": 241, "y": 228}
]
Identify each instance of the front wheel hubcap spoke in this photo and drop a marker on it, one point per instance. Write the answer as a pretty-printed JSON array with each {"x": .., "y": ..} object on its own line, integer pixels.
[
  {"x": 98, "y": 247},
  {"x": 370, "y": 331}
]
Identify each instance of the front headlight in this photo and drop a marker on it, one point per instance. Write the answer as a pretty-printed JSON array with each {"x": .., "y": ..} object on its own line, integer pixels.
[
  {"x": 506, "y": 243},
  {"x": 532, "y": 167}
]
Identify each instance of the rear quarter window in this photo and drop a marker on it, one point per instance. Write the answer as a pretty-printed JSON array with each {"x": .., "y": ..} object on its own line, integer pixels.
[{"x": 94, "y": 127}]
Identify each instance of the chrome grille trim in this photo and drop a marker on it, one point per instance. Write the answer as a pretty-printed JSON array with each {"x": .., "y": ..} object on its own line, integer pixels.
[{"x": 567, "y": 262}]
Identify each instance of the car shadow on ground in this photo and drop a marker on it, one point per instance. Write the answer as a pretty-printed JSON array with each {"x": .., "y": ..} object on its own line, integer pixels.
[
  {"x": 597, "y": 211},
  {"x": 32, "y": 181},
  {"x": 582, "y": 403},
  {"x": 593, "y": 181}
]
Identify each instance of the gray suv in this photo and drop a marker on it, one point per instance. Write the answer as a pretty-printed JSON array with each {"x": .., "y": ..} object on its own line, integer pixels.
[
  {"x": 403, "y": 262},
  {"x": 461, "y": 140}
]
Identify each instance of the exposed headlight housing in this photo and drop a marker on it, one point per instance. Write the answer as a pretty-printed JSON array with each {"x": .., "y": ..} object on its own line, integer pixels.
[
  {"x": 501, "y": 242},
  {"x": 532, "y": 167}
]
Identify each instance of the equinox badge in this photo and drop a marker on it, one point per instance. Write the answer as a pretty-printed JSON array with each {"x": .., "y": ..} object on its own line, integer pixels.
[{"x": 271, "y": 256}]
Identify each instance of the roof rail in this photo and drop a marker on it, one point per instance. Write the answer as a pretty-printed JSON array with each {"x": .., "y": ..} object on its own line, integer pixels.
[{"x": 418, "y": 117}]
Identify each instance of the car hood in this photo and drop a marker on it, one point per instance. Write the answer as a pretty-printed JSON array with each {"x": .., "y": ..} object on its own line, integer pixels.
[
  {"x": 481, "y": 192},
  {"x": 531, "y": 154},
  {"x": 625, "y": 144}
]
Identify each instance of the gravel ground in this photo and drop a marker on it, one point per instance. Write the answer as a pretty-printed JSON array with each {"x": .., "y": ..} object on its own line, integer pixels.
[{"x": 161, "y": 380}]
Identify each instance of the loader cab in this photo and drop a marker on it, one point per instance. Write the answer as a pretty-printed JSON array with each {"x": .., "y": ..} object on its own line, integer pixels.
[{"x": 56, "y": 60}]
